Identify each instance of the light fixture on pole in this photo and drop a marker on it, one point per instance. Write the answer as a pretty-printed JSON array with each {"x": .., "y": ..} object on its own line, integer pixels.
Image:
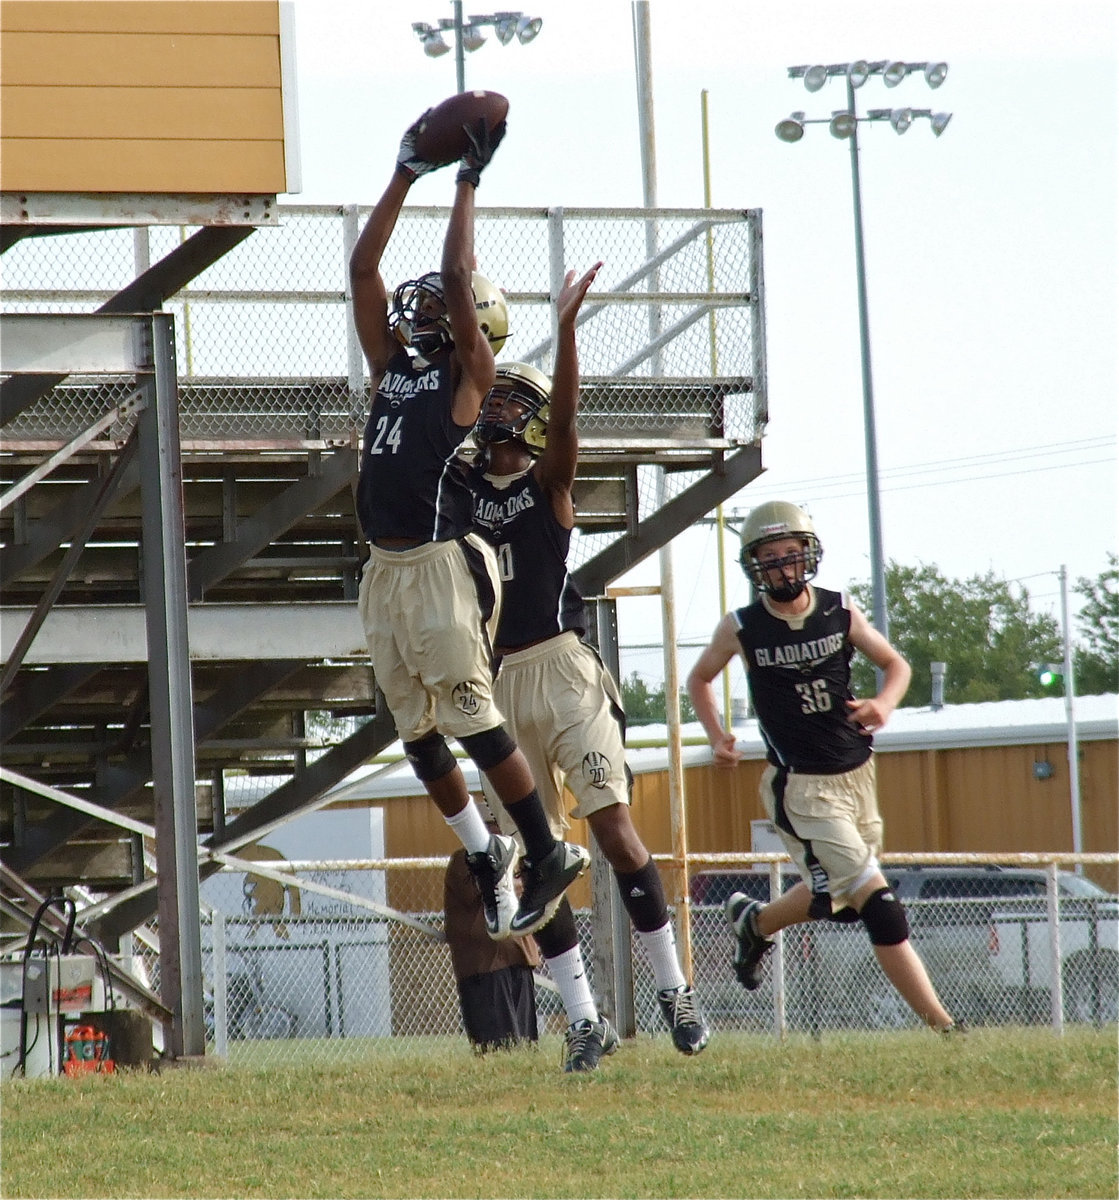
[
  {"x": 844, "y": 124},
  {"x": 468, "y": 34},
  {"x": 431, "y": 39}
]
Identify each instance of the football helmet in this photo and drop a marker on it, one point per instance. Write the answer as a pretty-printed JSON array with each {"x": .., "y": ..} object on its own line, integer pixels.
[
  {"x": 530, "y": 388},
  {"x": 776, "y": 520},
  {"x": 419, "y": 320},
  {"x": 493, "y": 313}
]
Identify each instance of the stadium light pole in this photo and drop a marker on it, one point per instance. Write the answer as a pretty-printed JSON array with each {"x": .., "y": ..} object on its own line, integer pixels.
[
  {"x": 468, "y": 34},
  {"x": 845, "y": 123}
]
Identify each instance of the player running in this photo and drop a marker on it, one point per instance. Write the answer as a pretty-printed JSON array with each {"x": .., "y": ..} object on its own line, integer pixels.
[{"x": 819, "y": 788}]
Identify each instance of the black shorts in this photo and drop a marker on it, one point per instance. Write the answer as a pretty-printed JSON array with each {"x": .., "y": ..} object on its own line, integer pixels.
[{"x": 499, "y": 1007}]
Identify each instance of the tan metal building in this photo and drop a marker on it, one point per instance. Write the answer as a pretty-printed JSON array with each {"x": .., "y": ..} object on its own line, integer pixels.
[{"x": 964, "y": 778}]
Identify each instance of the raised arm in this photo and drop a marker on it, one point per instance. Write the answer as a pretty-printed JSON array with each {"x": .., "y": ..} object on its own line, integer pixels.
[
  {"x": 473, "y": 351},
  {"x": 555, "y": 469},
  {"x": 370, "y": 297}
]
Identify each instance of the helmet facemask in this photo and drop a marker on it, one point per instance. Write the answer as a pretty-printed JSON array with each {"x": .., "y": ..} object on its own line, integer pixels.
[
  {"x": 780, "y": 521},
  {"x": 419, "y": 317},
  {"x": 530, "y": 389},
  {"x": 804, "y": 563}
]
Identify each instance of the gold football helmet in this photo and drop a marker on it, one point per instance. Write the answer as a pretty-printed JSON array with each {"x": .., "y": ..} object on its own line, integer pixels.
[
  {"x": 528, "y": 387},
  {"x": 418, "y": 315},
  {"x": 772, "y": 521}
]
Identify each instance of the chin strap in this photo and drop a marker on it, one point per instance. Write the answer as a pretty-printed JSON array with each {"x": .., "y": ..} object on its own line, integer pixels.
[{"x": 789, "y": 592}]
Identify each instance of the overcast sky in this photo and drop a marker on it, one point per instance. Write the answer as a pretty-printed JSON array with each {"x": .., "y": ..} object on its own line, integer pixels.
[{"x": 991, "y": 251}]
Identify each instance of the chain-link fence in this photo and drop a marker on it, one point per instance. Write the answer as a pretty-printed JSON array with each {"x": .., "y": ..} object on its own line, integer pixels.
[
  {"x": 293, "y": 972},
  {"x": 671, "y": 338},
  {"x": 266, "y": 349}
]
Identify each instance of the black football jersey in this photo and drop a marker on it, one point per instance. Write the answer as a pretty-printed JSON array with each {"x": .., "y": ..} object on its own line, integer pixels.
[
  {"x": 540, "y": 599},
  {"x": 800, "y": 680},
  {"x": 412, "y": 482}
]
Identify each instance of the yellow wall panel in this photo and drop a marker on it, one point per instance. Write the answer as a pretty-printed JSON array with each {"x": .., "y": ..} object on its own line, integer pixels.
[
  {"x": 129, "y": 113},
  {"x": 149, "y": 96},
  {"x": 140, "y": 16},
  {"x": 157, "y": 167},
  {"x": 140, "y": 60}
]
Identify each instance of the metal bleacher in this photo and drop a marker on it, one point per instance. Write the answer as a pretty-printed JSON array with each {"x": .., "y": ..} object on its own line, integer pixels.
[{"x": 261, "y": 412}]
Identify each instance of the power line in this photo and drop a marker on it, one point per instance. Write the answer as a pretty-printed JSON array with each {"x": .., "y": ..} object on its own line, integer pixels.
[
  {"x": 961, "y": 461},
  {"x": 815, "y": 487}
]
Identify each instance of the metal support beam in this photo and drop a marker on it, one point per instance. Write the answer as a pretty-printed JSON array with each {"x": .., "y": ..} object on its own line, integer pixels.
[
  {"x": 47, "y": 534},
  {"x": 121, "y": 783},
  {"x": 106, "y": 493},
  {"x": 172, "y": 724},
  {"x": 302, "y": 793},
  {"x": 674, "y": 517},
  {"x": 145, "y": 293},
  {"x": 264, "y": 527},
  {"x": 35, "y": 693},
  {"x": 118, "y": 414},
  {"x": 294, "y": 799},
  {"x": 241, "y": 633}
]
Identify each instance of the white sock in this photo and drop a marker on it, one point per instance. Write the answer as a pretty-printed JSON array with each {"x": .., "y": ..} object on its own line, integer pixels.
[
  {"x": 570, "y": 975},
  {"x": 660, "y": 947},
  {"x": 470, "y": 829}
]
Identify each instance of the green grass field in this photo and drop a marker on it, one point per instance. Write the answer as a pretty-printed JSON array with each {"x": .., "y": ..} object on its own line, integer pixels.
[{"x": 1002, "y": 1113}]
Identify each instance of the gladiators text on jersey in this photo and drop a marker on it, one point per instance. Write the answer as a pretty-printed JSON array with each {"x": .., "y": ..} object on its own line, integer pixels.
[
  {"x": 493, "y": 514},
  {"x": 396, "y": 386},
  {"x": 795, "y": 653}
]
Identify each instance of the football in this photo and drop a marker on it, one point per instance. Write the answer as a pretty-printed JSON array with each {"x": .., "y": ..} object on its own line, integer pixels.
[{"x": 441, "y": 137}]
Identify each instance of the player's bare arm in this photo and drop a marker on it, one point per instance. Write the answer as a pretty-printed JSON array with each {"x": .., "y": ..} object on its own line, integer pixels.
[
  {"x": 471, "y": 351},
  {"x": 370, "y": 299},
  {"x": 555, "y": 469},
  {"x": 721, "y": 649},
  {"x": 873, "y": 712}
]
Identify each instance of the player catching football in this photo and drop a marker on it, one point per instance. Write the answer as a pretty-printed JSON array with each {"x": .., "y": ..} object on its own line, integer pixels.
[
  {"x": 561, "y": 703},
  {"x": 430, "y": 591},
  {"x": 819, "y": 787}
]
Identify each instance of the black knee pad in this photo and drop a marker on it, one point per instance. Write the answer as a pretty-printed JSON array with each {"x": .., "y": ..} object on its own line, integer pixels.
[
  {"x": 884, "y": 917},
  {"x": 430, "y": 756},
  {"x": 490, "y": 748}
]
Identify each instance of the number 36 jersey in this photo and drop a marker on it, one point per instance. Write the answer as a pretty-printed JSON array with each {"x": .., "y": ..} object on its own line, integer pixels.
[
  {"x": 412, "y": 482},
  {"x": 799, "y": 673}
]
